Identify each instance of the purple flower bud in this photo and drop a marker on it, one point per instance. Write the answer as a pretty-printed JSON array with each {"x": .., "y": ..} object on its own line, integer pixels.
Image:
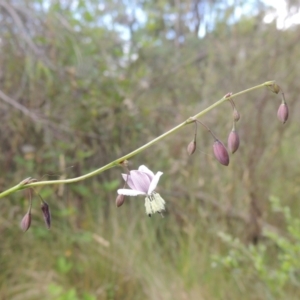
[
  {"x": 191, "y": 148},
  {"x": 233, "y": 141},
  {"x": 236, "y": 115},
  {"x": 221, "y": 153},
  {"x": 283, "y": 112},
  {"x": 46, "y": 214},
  {"x": 120, "y": 200},
  {"x": 26, "y": 221}
]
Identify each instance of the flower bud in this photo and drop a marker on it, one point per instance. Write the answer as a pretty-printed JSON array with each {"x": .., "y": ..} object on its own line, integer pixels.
[
  {"x": 191, "y": 148},
  {"x": 283, "y": 112},
  {"x": 221, "y": 153},
  {"x": 236, "y": 115},
  {"x": 46, "y": 214},
  {"x": 120, "y": 200},
  {"x": 233, "y": 141},
  {"x": 26, "y": 221}
]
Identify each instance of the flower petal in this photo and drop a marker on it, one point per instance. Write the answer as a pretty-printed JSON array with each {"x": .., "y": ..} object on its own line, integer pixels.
[
  {"x": 144, "y": 169},
  {"x": 129, "y": 181},
  {"x": 140, "y": 180},
  {"x": 154, "y": 182},
  {"x": 128, "y": 192}
]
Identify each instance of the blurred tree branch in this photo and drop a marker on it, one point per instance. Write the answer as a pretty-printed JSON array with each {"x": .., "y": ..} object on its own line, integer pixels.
[{"x": 19, "y": 107}]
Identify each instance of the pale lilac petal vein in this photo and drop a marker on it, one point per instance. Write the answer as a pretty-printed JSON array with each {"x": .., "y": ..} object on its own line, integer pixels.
[
  {"x": 130, "y": 183},
  {"x": 128, "y": 192},
  {"x": 154, "y": 182},
  {"x": 140, "y": 180},
  {"x": 150, "y": 178},
  {"x": 147, "y": 171}
]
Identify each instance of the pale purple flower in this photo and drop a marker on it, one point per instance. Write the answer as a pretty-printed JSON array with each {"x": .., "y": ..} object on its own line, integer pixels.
[{"x": 143, "y": 182}]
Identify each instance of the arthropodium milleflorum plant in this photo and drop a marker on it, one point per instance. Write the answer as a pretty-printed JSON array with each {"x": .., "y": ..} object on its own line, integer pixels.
[{"x": 143, "y": 181}]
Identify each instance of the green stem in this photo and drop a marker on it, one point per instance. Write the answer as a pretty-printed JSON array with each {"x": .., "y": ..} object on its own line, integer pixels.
[{"x": 117, "y": 162}]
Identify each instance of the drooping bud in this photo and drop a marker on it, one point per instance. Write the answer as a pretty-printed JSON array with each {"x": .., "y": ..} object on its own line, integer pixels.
[
  {"x": 120, "y": 200},
  {"x": 221, "y": 153},
  {"x": 191, "y": 148},
  {"x": 236, "y": 115},
  {"x": 233, "y": 141},
  {"x": 283, "y": 112},
  {"x": 46, "y": 214},
  {"x": 26, "y": 221}
]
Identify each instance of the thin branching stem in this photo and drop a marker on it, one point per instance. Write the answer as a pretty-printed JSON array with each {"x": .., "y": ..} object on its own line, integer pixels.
[
  {"x": 232, "y": 104},
  {"x": 120, "y": 160},
  {"x": 196, "y": 128}
]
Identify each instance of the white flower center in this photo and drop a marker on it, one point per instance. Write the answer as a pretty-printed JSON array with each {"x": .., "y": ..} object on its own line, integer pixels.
[{"x": 154, "y": 203}]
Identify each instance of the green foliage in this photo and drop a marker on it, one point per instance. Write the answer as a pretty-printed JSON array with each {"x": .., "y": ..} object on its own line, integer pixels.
[
  {"x": 58, "y": 292},
  {"x": 274, "y": 261},
  {"x": 103, "y": 78}
]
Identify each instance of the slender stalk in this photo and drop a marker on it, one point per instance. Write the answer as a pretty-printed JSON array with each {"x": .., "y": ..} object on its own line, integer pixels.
[
  {"x": 117, "y": 162},
  {"x": 208, "y": 129},
  {"x": 196, "y": 128}
]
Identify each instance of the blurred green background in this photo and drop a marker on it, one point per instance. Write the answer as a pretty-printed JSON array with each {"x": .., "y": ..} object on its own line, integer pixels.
[{"x": 85, "y": 82}]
